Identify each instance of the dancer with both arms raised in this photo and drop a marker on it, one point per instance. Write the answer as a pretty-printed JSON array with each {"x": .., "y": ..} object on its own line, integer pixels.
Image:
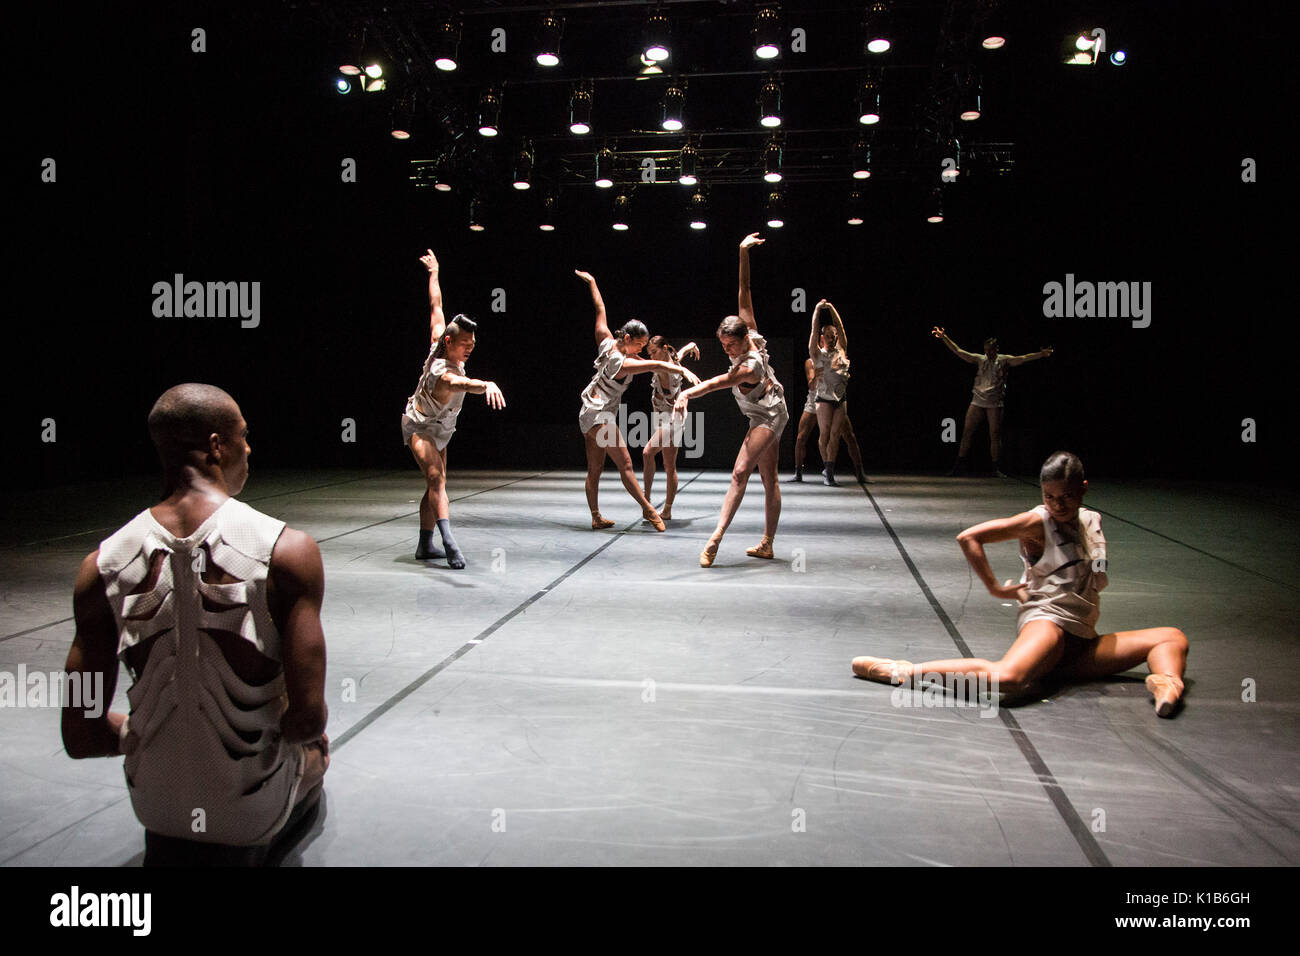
[
  {"x": 1064, "y": 554},
  {"x": 430, "y": 417},
  {"x": 828, "y": 348},
  {"x": 762, "y": 400},
  {"x": 616, "y": 363}
]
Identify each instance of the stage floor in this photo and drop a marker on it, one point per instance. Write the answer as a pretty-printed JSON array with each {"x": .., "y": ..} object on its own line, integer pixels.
[{"x": 581, "y": 697}]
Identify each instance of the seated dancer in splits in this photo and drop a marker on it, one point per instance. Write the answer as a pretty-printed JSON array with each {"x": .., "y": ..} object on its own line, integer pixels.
[
  {"x": 664, "y": 388},
  {"x": 1064, "y": 554},
  {"x": 828, "y": 348},
  {"x": 761, "y": 400},
  {"x": 430, "y": 417},
  {"x": 616, "y": 363},
  {"x": 988, "y": 396}
]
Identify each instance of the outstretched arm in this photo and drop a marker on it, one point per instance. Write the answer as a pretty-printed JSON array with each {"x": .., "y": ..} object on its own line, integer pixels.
[
  {"x": 475, "y": 386},
  {"x": 1025, "y": 527},
  {"x": 602, "y": 325},
  {"x": 839, "y": 327},
  {"x": 962, "y": 354},
  {"x": 1032, "y": 356},
  {"x": 745, "y": 304},
  {"x": 634, "y": 366},
  {"x": 93, "y": 653},
  {"x": 736, "y": 375},
  {"x": 437, "y": 321},
  {"x": 813, "y": 348}
]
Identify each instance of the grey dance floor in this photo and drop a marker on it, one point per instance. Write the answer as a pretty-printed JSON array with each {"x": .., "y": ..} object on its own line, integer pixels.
[{"x": 580, "y": 697}]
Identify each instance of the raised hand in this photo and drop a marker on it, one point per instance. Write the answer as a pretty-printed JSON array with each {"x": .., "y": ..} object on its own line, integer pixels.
[
  {"x": 691, "y": 351},
  {"x": 494, "y": 397},
  {"x": 586, "y": 277},
  {"x": 751, "y": 240},
  {"x": 821, "y": 304},
  {"x": 430, "y": 260},
  {"x": 937, "y": 332},
  {"x": 1047, "y": 351}
]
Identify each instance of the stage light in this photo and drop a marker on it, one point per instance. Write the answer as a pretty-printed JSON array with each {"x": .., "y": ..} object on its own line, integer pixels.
[
  {"x": 605, "y": 168},
  {"x": 446, "y": 42},
  {"x": 993, "y": 41},
  {"x": 1084, "y": 42},
  {"x": 548, "y": 214},
  {"x": 993, "y": 26},
  {"x": 861, "y": 160},
  {"x": 524, "y": 168},
  {"x": 489, "y": 112},
  {"x": 674, "y": 103},
  {"x": 1119, "y": 58},
  {"x": 688, "y": 160},
  {"x": 649, "y": 68},
  {"x": 372, "y": 86},
  {"x": 934, "y": 207},
  {"x": 767, "y": 34},
  {"x": 970, "y": 99},
  {"x": 475, "y": 219},
  {"x": 342, "y": 85},
  {"x": 621, "y": 205},
  {"x": 548, "y": 43},
  {"x": 657, "y": 33},
  {"x": 855, "y": 208},
  {"x": 699, "y": 206},
  {"x": 869, "y": 102},
  {"x": 772, "y": 162},
  {"x": 878, "y": 28},
  {"x": 580, "y": 112},
  {"x": 775, "y": 210},
  {"x": 769, "y": 104},
  {"x": 403, "y": 119}
]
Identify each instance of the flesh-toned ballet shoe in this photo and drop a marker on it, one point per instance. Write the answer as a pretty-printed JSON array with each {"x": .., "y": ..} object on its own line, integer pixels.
[
  {"x": 708, "y": 554},
  {"x": 883, "y": 670},
  {"x": 762, "y": 550},
  {"x": 653, "y": 517},
  {"x": 667, "y": 514},
  {"x": 1167, "y": 689},
  {"x": 598, "y": 523}
]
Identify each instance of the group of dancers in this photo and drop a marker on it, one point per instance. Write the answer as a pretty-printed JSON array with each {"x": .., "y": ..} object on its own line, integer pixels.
[{"x": 1061, "y": 543}]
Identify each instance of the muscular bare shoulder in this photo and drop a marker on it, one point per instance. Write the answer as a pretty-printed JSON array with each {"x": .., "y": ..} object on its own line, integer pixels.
[{"x": 296, "y": 569}]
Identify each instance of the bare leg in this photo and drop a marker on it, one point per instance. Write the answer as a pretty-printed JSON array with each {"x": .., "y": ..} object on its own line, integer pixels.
[
  {"x": 757, "y": 439},
  {"x": 974, "y": 414},
  {"x": 670, "y": 475},
  {"x": 851, "y": 442},
  {"x": 596, "y": 452},
  {"x": 995, "y": 438},
  {"x": 824, "y": 415},
  {"x": 1164, "y": 649},
  {"x": 837, "y": 431},
  {"x": 623, "y": 462},
  {"x": 806, "y": 422},
  {"x": 767, "y": 470},
  {"x": 433, "y": 463},
  {"x": 648, "y": 454}
]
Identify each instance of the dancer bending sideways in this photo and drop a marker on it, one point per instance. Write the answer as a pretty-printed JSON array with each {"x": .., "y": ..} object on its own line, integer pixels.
[
  {"x": 616, "y": 363},
  {"x": 1064, "y": 554},
  {"x": 430, "y": 417},
  {"x": 828, "y": 348},
  {"x": 664, "y": 389},
  {"x": 761, "y": 400},
  {"x": 989, "y": 395}
]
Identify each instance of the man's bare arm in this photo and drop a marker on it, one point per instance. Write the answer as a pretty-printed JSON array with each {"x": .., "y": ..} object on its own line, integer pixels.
[
  {"x": 299, "y": 580},
  {"x": 94, "y": 651}
]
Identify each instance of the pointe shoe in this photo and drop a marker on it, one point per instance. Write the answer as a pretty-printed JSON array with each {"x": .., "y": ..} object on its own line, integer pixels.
[
  {"x": 882, "y": 670},
  {"x": 653, "y": 517},
  {"x": 1167, "y": 689},
  {"x": 708, "y": 554},
  {"x": 762, "y": 550},
  {"x": 599, "y": 523}
]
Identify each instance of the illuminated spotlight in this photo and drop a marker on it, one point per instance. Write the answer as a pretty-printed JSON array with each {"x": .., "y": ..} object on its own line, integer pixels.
[
  {"x": 548, "y": 214},
  {"x": 343, "y": 85},
  {"x": 489, "y": 112},
  {"x": 877, "y": 28},
  {"x": 446, "y": 42},
  {"x": 403, "y": 117},
  {"x": 605, "y": 168},
  {"x": 475, "y": 217},
  {"x": 772, "y": 162},
  {"x": 869, "y": 102},
  {"x": 1119, "y": 58},
  {"x": 855, "y": 208},
  {"x": 993, "y": 26},
  {"x": 674, "y": 102},
  {"x": 699, "y": 206},
  {"x": 861, "y": 160},
  {"x": 657, "y": 32},
  {"x": 689, "y": 156},
  {"x": 548, "y": 41},
  {"x": 1084, "y": 42},
  {"x": 767, "y": 34},
  {"x": 950, "y": 171},
  {"x": 934, "y": 208},
  {"x": 621, "y": 205},
  {"x": 524, "y": 168},
  {"x": 372, "y": 86},
  {"x": 580, "y": 112},
  {"x": 443, "y": 181},
  {"x": 775, "y": 210},
  {"x": 769, "y": 104},
  {"x": 649, "y": 68},
  {"x": 970, "y": 99}
]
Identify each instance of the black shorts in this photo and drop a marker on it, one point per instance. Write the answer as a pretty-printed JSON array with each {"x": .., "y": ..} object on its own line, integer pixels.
[{"x": 832, "y": 402}]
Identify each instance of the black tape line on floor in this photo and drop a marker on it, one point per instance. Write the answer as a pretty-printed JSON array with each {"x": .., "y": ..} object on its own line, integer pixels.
[
  {"x": 478, "y": 638},
  {"x": 1078, "y": 829}
]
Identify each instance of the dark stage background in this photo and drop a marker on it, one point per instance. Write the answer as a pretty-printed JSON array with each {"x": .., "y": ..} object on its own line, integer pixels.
[{"x": 225, "y": 166}]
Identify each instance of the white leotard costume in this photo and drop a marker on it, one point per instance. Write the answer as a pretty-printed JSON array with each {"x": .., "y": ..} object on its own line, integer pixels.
[
  {"x": 810, "y": 403},
  {"x": 601, "y": 397},
  {"x": 831, "y": 385},
  {"x": 765, "y": 403},
  {"x": 1065, "y": 582},
  {"x": 990, "y": 389},
  {"x": 664, "y": 424},
  {"x": 200, "y": 736},
  {"x": 424, "y": 416}
]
